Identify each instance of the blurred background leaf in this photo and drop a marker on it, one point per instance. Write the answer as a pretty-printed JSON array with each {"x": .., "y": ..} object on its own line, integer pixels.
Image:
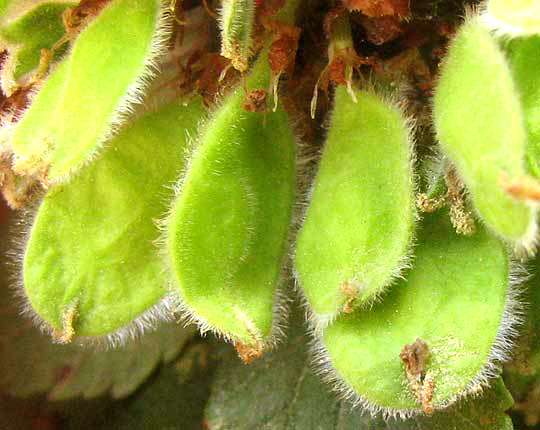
[
  {"x": 172, "y": 399},
  {"x": 32, "y": 364}
]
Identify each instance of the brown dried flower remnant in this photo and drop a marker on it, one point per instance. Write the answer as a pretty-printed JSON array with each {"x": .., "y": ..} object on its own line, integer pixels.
[
  {"x": 415, "y": 357},
  {"x": 214, "y": 78},
  {"x": 248, "y": 353},
  {"x": 76, "y": 18},
  {"x": 429, "y": 205},
  {"x": 342, "y": 57},
  {"x": 282, "y": 54},
  {"x": 350, "y": 290},
  {"x": 521, "y": 188},
  {"x": 255, "y": 101},
  {"x": 454, "y": 199},
  {"x": 462, "y": 220},
  {"x": 18, "y": 190},
  {"x": 68, "y": 319},
  {"x": 283, "y": 50}
]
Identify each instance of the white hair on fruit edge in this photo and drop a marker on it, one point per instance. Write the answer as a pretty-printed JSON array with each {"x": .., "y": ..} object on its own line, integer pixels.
[
  {"x": 396, "y": 101},
  {"x": 20, "y": 231},
  {"x": 500, "y": 352},
  {"x": 135, "y": 92}
]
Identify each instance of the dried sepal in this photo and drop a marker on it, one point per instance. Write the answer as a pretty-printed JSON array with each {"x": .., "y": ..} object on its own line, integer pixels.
[{"x": 342, "y": 57}]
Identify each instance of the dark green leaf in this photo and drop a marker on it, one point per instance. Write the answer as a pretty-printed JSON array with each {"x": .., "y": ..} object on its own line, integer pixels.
[
  {"x": 522, "y": 375},
  {"x": 32, "y": 364}
]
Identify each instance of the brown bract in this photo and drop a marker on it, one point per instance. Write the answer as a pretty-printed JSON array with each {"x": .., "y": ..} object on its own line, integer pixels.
[
  {"x": 378, "y": 8},
  {"x": 283, "y": 50},
  {"x": 256, "y": 101},
  {"x": 217, "y": 74},
  {"x": 76, "y": 18},
  {"x": 381, "y": 30}
]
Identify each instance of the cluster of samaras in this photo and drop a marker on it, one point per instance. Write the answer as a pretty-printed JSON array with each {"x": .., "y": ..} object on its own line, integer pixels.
[{"x": 405, "y": 265}]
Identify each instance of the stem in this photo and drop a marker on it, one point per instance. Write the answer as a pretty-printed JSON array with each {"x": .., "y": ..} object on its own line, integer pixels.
[
  {"x": 287, "y": 14},
  {"x": 260, "y": 76}
]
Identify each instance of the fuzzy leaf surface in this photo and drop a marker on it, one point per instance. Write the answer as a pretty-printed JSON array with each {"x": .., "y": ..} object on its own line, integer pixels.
[
  {"x": 480, "y": 127},
  {"x": 280, "y": 392},
  {"x": 228, "y": 228},
  {"x": 103, "y": 78},
  {"x": 360, "y": 221},
  {"x": 514, "y": 17},
  {"x": 524, "y": 56},
  {"x": 111, "y": 208},
  {"x": 453, "y": 299}
]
